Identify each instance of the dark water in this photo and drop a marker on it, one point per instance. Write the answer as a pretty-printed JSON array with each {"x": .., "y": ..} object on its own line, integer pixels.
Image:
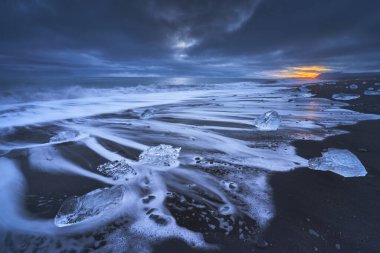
[{"x": 111, "y": 82}]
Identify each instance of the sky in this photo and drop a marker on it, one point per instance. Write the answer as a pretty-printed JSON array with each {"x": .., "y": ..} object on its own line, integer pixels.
[{"x": 218, "y": 38}]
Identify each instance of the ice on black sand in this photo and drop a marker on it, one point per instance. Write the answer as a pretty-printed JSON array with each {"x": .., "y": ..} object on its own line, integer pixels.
[
  {"x": 371, "y": 92},
  {"x": 354, "y": 86},
  {"x": 118, "y": 170},
  {"x": 339, "y": 161},
  {"x": 93, "y": 204},
  {"x": 65, "y": 136},
  {"x": 345, "y": 96},
  {"x": 161, "y": 155},
  {"x": 269, "y": 121}
]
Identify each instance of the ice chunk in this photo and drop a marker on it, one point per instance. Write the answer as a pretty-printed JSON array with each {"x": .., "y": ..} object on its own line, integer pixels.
[
  {"x": 371, "y": 92},
  {"x": 269, "y": 121},
  {"x": 94, "y": 204},
  {"x": 118, "y": 170},
  {"x": 161, "y": 155},
  {"x": 339, "y": 161},
  {"x": 147, "y": 114},
  {"x": 345, "y": 96},
  {"x": 304, "y": 91},
  {"x": 354, "y": 86},
  {"x": 65, "y": 136},
  {"x": 377, "y": 84}
]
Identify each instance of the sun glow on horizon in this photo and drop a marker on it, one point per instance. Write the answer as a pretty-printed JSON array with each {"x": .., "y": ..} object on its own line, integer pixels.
[{"x": 301, "y": 72}]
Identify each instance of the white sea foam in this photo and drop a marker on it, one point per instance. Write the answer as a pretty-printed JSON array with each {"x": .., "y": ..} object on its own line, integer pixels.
[
  {"x": 12, "y": 216},
  {"x": 222, "y": 167},
  {"x": 50, "y": 160}
]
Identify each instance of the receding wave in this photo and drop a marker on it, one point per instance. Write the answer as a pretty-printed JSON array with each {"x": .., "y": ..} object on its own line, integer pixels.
[{"x": 208, "y": 176}]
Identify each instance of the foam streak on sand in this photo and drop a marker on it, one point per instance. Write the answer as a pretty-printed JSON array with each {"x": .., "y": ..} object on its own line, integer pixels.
[{"x": 219, "y": 178}]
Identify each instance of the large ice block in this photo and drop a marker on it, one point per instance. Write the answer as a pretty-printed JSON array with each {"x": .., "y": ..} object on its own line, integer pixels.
[
  {"x": 269, "y": 121},
  {"x": 93, "y": 204},
  {"x": 339, "y": 161}
]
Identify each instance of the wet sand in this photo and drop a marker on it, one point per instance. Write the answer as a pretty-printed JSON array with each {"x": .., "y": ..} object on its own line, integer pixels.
[
  {"x": 321, "y": 211},
  {"x": 324, "y": 212},
  {"x": 314, "y": 210}
]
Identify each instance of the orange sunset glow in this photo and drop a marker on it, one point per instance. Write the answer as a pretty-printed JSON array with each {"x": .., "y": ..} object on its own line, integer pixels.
[{"x": 301, "y": 72}]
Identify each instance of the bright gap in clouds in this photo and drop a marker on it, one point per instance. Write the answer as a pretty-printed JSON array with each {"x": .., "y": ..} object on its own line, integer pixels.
[{"x": 301, "y": 72}]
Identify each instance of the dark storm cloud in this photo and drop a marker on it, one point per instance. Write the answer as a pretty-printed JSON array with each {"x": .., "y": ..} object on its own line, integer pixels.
[
  {"x": 339, "y": 33},
  {"x": 183, "y": 37}
]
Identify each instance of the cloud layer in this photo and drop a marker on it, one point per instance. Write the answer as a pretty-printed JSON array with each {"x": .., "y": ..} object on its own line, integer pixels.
[{"x": 179, "y": 37}]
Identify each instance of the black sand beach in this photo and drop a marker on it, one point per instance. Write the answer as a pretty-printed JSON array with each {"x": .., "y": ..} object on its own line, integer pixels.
[
  {"x": 324, "y": 212},
  {"x": 314, "y": 211},
  {"x": 177, "y": 126}
]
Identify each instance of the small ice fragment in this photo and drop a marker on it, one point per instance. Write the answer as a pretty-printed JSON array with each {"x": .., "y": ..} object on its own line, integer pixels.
[
  {"x": 261, "y": 243},
  {"x": 345, "y": 96},
  {"x": 377, "y": 84},
  {"x": 313, "y": 232},
  {"x": 64, "y": 136},
  {"x": 118, "y": 170},
  {"x": 339, "y": 161},
  {"x": 354, "y": 86},
  {"x": 269, "y": 121},
  {"x": 371, "y": 92},
  {"x": 161, "y": 155},
  {"x": 93, "y": 204},
  {"x": 147, "y": 114},
  {"x": 304, "y": 91}
]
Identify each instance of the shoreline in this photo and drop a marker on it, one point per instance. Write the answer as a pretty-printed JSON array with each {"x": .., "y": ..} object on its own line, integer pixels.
[
  {"x": 324, "y": 212},
  {"x": 313, "y": 210},
  {"x": 317, "y": 211}
]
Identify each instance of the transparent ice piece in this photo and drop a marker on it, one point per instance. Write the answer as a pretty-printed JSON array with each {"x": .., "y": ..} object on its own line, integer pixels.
[
  {"x": 118, "y": 170},
  {"x": 269, "y": 121},
  {"x": 93, "y": 204},
  {"x": 339, "y": 161},
  {"x": 345, "y": 96},
  {"x": 161, "y": 155}
]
